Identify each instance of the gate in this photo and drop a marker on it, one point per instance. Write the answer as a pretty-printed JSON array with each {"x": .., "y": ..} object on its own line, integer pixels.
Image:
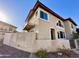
[{"x": 72, "y": 44}]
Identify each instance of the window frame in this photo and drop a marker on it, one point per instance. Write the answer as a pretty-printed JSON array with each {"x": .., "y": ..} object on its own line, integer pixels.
[
  {"x": 59, "y": 23},
  {"x": 44, "y": 17},
  {"x": 59, "y": 35}
]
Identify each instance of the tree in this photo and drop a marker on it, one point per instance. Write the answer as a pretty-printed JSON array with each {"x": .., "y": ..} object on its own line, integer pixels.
[{"x": 75, "y": 35}]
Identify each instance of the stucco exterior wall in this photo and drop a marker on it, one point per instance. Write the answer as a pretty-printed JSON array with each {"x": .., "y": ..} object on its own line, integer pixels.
[
  {"x": 27, "y": 42},
  {"x": 23, "y": 41},
  {"x": 69, "y": 30},
  {"x": 52, "y": 45}
]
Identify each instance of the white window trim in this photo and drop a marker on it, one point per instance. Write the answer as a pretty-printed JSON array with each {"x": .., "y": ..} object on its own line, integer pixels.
[
  {"x": 59, "y": 35},
  {"x": 42, "y": 18},
  {"x": 60, "y": 26}
]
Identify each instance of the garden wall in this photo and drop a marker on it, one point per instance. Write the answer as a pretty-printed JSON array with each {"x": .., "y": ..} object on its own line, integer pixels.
[{"x": 27, "y": 42}]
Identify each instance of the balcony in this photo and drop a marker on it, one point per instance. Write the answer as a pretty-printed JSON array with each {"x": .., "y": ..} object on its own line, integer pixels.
[{"x": 29, "y": 27}]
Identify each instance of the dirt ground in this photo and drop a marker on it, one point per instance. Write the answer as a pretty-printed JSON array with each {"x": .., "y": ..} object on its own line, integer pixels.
[{"x": 10, "y": 52}]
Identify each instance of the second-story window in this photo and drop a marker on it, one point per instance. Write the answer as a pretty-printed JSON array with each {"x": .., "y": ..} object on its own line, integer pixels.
[
  {"x": 59, "y": 24},
  {"x": 43, "y": 15}
]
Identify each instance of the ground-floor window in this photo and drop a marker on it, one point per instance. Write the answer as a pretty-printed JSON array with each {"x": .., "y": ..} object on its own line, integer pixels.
[{"x": 61, "y": 34}]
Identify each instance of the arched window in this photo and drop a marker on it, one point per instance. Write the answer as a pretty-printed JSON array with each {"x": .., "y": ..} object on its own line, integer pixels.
[{"x": 59, "y": 24}]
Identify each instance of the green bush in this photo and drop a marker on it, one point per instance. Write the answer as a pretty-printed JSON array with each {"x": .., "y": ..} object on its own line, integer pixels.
[
  {"x": 75, "y": 35},
  {"x": 78, "y": 40},
  {"x": 41, "y": 53}
]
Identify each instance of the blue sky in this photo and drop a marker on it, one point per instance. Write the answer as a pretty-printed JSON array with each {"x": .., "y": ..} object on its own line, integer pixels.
[{"x": 17, "y": 10}]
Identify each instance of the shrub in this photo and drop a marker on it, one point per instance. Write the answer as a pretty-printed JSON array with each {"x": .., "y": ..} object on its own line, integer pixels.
[
  {"x": 75, "y": 35},
  {"x": 65, "y": 51},
  {"x": 41, "y": 53}
]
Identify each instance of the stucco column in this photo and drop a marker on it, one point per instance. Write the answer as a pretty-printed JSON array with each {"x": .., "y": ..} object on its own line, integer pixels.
[
  {"x": 56, "y": 35},
  {"x": 76, "y": 44}
]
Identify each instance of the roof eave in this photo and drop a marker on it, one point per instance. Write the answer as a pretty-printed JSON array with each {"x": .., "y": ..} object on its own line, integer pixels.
[
  {"x": 39, "y": 4},
  {"x": 71, "y": 21}
]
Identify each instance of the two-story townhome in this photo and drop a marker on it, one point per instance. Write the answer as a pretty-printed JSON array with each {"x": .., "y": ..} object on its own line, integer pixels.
[{"x": 48, "y": 24}]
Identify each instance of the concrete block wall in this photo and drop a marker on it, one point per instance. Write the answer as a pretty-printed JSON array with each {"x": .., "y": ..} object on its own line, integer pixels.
[
  {"x": 27, "y": 42},
  {"x": 23, "y": 41}
]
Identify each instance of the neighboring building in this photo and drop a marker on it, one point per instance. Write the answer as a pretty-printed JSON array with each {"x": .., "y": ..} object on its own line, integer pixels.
[
  {"x": 48, "y": 24},
  {"x": 6, "y": 28}
]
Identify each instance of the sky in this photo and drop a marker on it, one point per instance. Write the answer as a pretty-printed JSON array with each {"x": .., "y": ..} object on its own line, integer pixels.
[{"x": 15, "y": 11}]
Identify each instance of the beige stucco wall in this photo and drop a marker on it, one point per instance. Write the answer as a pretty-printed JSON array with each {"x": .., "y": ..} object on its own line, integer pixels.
[
  {"x": 23, "y": 41},
  {"x": 52, "y": 45},
  {"x": 69, "y": 30},
  {"x": 27, "y": 42}
]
